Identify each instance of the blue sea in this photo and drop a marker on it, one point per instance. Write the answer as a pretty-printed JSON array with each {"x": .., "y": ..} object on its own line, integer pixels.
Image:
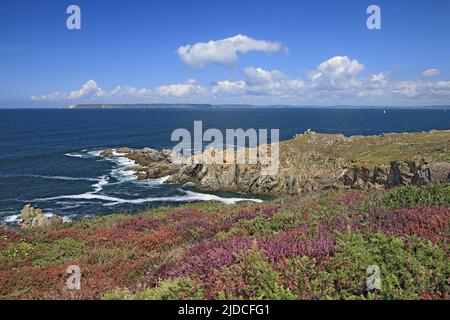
[{"x": 50, "y": 157}]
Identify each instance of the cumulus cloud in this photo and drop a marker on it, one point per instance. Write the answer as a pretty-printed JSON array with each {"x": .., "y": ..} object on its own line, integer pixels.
[
  {"x": 261, "y": 76},
  {"x": 224, "y": 51},
  {"x": 189, "y": 89},
  {"x": 226, "y": 87},
  {"x": 335, "y": 81},
  {"x": 410, "y": 89},
  {"x": 378, "y": 80},
  {"x": 340, "y": 66},
  {"x": 129, "y": 92},
  {"x": 88, "y": 90},
  {"x": 91, "y": 92},
  {"x": 422, "y": 89},
  {"x": 337, "y": 73},
  {"x": 259, "y": 82},
  {"x": 431, "y": 73}
]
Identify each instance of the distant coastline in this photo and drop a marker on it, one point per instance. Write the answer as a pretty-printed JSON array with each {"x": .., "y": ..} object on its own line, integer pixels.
[{"x": 232, "y": 106}]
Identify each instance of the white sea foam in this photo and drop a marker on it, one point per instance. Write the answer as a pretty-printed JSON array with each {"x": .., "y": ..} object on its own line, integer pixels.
[
  {"x": 11, "y": 218},
  {"x": 84, "y": 154},
  {"x": 121, "y": 174},
  {"x": 74, "y": 155},
  {"x": 102, "y": 181},
  {"x": 153, "y": 182},
  {"x": 67, "y": 219},
  {"x": 67, "y": 205},
  {"x": 163, "y": 179},
  {"x": 188, "y": 196},
  {"x": 94, "y": 153}
]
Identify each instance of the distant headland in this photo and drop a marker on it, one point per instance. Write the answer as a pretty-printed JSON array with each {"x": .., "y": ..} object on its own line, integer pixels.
[{"x": 230, "y": 106}]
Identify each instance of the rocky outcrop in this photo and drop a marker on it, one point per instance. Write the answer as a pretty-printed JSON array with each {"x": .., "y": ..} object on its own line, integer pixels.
[
  {"x": 34, "y": 218},
  {"x": 315, "y": 161},
  {"x": 151, "y": 164},
  {"x": 107, "y": 153},
  {"x": 413, "y": 172}
]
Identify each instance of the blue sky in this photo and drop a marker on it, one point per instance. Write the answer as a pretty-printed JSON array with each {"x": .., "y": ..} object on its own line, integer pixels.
[{"x": 252, "y": 51}]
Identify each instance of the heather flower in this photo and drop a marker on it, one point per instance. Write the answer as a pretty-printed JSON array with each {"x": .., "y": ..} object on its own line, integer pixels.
[{"x": 431, "y": 223}]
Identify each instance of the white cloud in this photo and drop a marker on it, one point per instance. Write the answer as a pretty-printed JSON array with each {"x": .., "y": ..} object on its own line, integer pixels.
[
  {"x": 231, "y": 88},
  {"x": 337, "y": 73},
  {"x": 129, "y": 92},
  {"x": 88, "y": 90},
  {"x": 378, "y": 80},
  {"x": 189, "y": 89},
  {"x": 261, "y": 76},
  {"x": 340, "y": 65},
  {"x": 442, "y": 85},
  {"x": 431, "y": 73},
  {"x": 224, "y": 52},
  {"x": 423, "y": 89},
  {"x": 335, "y": 81},
  {"x": 260, "y": 82},
  {"x": 53, "y": 96},
  {"x": 410, "y": 89}
]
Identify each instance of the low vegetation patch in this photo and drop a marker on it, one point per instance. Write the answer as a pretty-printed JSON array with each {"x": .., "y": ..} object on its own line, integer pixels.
[{"x": 313, "y": 247}]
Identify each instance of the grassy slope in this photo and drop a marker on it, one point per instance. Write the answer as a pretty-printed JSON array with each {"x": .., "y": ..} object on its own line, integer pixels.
[
  {"x": 317, "y": 247},
  {"x": 372, "y": 150}
]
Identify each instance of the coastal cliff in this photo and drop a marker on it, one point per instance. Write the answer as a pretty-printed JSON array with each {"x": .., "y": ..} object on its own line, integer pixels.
[
  {"x": 314, "y": 162},
  {"x": 313, "y": 246}
]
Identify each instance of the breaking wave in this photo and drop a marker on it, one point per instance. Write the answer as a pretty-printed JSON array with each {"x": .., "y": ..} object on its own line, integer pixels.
[{"x": 188, "y": 196}]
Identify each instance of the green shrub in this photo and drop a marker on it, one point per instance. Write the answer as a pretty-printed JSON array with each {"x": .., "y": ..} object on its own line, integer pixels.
[
  {"x": 408, "y": 197},
  {"x": 306, "y": 279},
  {"x": 412, "y": 196},
  {"x": 66, "y": 250},
  {"x": 262, "y": 226},
  {"x": 174, "y": 289},
  {"x": 408, "y": 271},
  {"x": 15, "y": 252},
  {"x": 251, "y": 277}
]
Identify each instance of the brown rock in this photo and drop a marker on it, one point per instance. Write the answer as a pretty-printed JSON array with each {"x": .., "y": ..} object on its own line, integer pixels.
[
  {"x": 35, "y": 218},
  {"x": 124, "y": 150},
  {"x": 440, "y": 172},
  {"x": 107, "y": 153}
]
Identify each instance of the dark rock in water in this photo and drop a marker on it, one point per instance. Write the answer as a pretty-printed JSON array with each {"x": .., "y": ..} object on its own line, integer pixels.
[{"x": 35, "y": 218}]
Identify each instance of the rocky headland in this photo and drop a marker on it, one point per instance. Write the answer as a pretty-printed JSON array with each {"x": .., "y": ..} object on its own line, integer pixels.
[{"x": 312, "y": 162}]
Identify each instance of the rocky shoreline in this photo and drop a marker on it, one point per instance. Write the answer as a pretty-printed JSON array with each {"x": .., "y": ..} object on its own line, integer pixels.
[{"x": 313, "y": 162}]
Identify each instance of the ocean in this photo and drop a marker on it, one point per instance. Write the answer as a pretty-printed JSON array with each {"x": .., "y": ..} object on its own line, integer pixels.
[{"x": 51, "y": 159}]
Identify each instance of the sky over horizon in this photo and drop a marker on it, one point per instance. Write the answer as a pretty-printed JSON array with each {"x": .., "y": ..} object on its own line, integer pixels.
[{"x": 225, "y": 52}]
